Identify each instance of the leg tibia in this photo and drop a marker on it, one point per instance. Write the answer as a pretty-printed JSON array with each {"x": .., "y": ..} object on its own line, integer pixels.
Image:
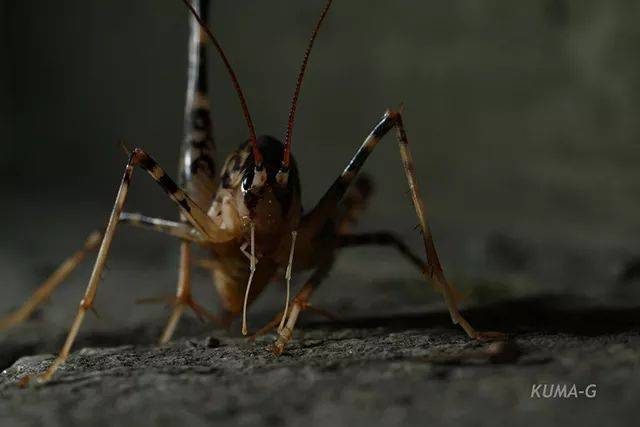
[{"x": 50, "y": 285}]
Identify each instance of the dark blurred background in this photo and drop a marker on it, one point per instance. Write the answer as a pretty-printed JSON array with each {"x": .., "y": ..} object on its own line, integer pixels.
[{"x": 522, "y": 118}]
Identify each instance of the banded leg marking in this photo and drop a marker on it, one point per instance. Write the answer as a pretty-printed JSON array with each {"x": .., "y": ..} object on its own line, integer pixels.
[
  {"x": 327, "y": 206},
  {"x": 197, "y": 168},
  {"x": 187, "y": 207}
]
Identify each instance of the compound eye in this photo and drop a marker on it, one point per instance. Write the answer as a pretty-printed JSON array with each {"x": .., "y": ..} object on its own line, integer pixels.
[{"x": 246, "y": 182}]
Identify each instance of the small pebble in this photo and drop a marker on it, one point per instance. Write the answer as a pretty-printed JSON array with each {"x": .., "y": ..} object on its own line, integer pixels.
[{"x": 211, "y": 342}]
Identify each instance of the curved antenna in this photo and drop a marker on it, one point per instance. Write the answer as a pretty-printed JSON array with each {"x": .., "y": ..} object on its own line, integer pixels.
[
  {"x": 236, "y": 84},
  {"x": 294, "y": 101}
]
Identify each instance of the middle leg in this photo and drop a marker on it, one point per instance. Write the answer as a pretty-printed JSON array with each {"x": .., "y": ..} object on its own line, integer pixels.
[
  {"x": 382, "y": 238},
  {"x": 387, "y": 238},
  {"x": 183, "y": 298}
]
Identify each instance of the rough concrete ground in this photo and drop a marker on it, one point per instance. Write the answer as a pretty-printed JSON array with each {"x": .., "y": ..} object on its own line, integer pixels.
[
  {"x": 402, "y": 368},
  {"x": 393, "y": 359}
]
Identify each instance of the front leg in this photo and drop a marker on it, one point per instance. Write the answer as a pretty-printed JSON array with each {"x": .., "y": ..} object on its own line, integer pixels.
[{"x": 299, "y": 303}]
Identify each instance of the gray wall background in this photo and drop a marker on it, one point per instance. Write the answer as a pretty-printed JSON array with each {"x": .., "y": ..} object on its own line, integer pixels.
[{"x": 522, "y": 117}]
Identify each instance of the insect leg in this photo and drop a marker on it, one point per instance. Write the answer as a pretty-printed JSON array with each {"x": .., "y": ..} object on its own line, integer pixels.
[
  {"x": 183, "y": 293},
  {"x": 326, "y": 208},
  {"x": 194, "y": 214},
  {"x": 176, "y": 229},
  {"x": 183, "y": 298},
  {"x": 382, "y": 238},
  {"x": 287, "y": 277},
  {"x": 387, "y": 238},
  {"x": 52, "y": 282},
  {"x": 275, "y": 322},
  {"x": 434, "y": 268},
  {"x": 87, "y": 300},
  {"x": 197, "y": 168},
  {"x": 252, "y": 268},
  {"x": 189, "y": 209},
  {"x": 300, "y": 302}
]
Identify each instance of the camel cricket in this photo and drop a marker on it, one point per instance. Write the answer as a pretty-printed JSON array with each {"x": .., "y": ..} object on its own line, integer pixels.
[{"x": 248, "y": 215}]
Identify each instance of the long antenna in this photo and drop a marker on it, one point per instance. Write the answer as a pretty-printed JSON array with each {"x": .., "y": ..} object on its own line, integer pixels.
[
  {"x": 296, "y": 94},
  {"x": 236, "y": 84}
]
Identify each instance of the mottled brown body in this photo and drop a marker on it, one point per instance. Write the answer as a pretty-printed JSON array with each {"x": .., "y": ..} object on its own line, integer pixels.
[{"x": 275, "y": 214}]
